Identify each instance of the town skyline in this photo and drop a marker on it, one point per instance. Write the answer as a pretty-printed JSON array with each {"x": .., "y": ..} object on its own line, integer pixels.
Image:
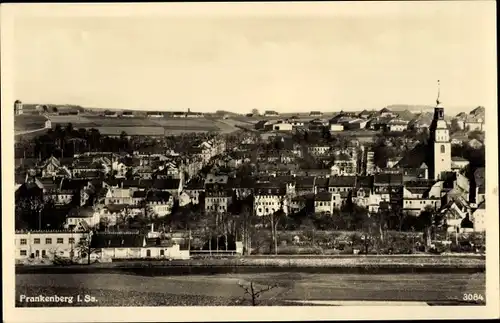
[{"x": 294, "y": 64}]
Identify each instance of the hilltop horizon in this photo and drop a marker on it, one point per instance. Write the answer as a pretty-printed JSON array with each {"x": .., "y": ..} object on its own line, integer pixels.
[{"x": 415, "y": 108}]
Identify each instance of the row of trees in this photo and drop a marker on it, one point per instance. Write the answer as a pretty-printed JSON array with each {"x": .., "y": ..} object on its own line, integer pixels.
[{"x": 67, "y": 141}]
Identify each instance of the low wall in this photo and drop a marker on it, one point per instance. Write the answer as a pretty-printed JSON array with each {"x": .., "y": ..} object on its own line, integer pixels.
[{"x": 353, "y": 264}]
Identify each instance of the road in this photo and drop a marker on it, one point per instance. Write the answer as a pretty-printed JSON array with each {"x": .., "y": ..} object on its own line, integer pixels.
[{"x": 26, "y": 132}]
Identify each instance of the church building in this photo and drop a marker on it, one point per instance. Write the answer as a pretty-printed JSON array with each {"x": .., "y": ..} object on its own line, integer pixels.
[
  {"x": 436, "y": 152},
  {"x": 440, "y": 145}
]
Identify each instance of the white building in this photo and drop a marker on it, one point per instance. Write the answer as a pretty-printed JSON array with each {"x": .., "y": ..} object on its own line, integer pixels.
[
  {"x": 38, "y": 245},
  {"x": 416, "y": 197},
  {"x": 479, "y": 218},
  {"x": 269, "y": 200},
  {"x": 334, "y": 127}
]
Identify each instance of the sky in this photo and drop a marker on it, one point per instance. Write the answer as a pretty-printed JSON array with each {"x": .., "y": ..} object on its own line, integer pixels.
[{"x": 340, "y": 57}]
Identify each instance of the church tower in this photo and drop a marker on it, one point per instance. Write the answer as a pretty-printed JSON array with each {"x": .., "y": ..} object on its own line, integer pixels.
[{"x": 440, "y": 146}]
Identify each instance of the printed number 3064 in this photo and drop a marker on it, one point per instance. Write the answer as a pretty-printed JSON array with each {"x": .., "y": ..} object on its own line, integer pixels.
[{"x": 473, "y": 297}]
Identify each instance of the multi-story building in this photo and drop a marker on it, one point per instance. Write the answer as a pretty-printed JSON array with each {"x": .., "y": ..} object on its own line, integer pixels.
[
  {"x": 269, "y": 198},
  {"x": 38, "y": 245}
]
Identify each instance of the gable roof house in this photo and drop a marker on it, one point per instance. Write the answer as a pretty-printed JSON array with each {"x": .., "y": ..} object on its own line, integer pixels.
[{"x": 122, "y": 245}]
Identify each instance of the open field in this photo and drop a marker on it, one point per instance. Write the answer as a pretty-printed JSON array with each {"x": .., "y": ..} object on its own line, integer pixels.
[
  {"x": 224, "y": 289},
  {"x": 143, "y": 125},
  {"x": 27, "y": 122}
]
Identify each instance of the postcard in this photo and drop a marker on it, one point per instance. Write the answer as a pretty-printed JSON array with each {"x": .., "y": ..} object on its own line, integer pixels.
[{"x": 189, "y": 161}]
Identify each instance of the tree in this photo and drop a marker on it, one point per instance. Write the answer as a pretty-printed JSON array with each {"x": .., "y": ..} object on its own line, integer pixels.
[
  {"x": 253, "y": 291},
  {"x": 274, "y": 219},
  {"x": 84, "y": 247},
  {"x": 430, "y": 220},
  {"x": 255, "y": 112}
]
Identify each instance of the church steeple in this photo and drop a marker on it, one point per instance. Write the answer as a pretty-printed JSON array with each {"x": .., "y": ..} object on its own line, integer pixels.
[
  {"x": 440, "y": 146},
  {"x": 439, "y": 92}
]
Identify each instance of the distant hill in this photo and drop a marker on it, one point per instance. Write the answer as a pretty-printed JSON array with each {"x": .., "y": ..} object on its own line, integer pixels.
[{"x": 410, "y": 108}]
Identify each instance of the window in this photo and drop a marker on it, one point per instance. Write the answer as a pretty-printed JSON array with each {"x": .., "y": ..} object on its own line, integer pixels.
[
  {"x": 71, "y": 240},
  {"x": 162, "y": 252},
  {"x": 44, "y": 255},
  {"x": 48, "y": 240},
  {"x": 23, "y": 241},
  {"x": 23, "y": 253},
  {"x": 442, "y": 149},
  {"x": 60, "y": 240},
  {"x": 36, "y": 241}
]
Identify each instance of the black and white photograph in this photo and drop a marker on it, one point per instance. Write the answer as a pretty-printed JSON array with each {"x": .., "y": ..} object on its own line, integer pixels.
[{"x": 232, "y": 155}]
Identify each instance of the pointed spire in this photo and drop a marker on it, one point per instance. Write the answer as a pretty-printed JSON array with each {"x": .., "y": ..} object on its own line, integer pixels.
[{"x": 439, "y": 93}]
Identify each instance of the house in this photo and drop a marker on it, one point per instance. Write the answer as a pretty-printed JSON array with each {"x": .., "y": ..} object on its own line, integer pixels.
[
  {"x": 218, "y": 195},
  {"x": 315, "y": 114},
  {"x": 304, "y": 185},
  {"x": 454, "y": 217},
  {"x": 325, "y": 202},
  {"x": 50, "y": 167},
  {"x": 87, "y": 168},
  {"x": 344, "y": 164},
  {"x": 179, "y": 114},
  {"x": 128, "y": 114},
  {"x": 170, "y": 170},
  {"x": 414, "y": 174},
  {"x": 280, "y": 126},
  {"x": 479, "y": 217},
  {"x": 113, "y": 214},
  {"x": 119, "y": 168},
  {"x": 478, "y": 186},
  {"x": 393, "y": 161},
  {"x": 82, "y": 218},
  {"x": 119, "y": 245},
  {"x": 118, "y": 195},
  {"x": 387, "y": 186},
  {"x": 320, "y": 172},
  {"x": 342, "y": 185},
  {"x": 396, "y": 126},
  {"x": 299, "y": 203},
  {"x": 458, "y": 163},
  {"x": 418, "y": 195},
  {"x": 458, "y": 138},
  {"x": 110, "y": 114},
  {"x": 154, "y": 114},
  {"x": 476, "y": 144},
  {"x": 32, "y": 246},
  {"x": 361, "y": 194},
  {"x": 355, "y": 124},
  {"x": 190, "y": 114},
  {"x": 365, "y": 114},
  {"x": 160, "y": 202},
  {"x": 320, "y": 184},
  {"x": 18, "y": 108},
  {"x": 318, "y": 149},
  {"x": 171, "y": 185},
  {"x": 270, "y": 113},
  {"x": 195, "y": 189},
  {"x": 384, "y": 113},
  {"x": 270, "y": 197},
  {"x": 335, "y": 127}
]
